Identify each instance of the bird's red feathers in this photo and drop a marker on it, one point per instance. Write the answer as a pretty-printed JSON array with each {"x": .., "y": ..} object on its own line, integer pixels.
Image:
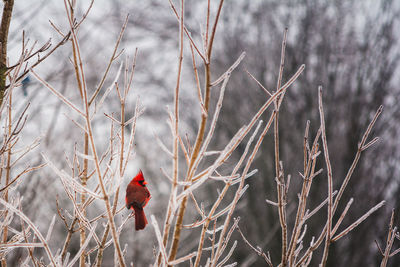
[
  {"x": 139, "y": 177},
  {"x": 137, "y": 197},
  {"x": 140, "y": 219}
]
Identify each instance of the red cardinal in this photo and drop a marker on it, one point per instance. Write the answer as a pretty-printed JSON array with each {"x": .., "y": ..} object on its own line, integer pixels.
[{"x": 137, "y": 196}]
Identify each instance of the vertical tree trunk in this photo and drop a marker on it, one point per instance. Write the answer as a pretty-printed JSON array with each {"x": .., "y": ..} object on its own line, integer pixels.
[{"x": 5, "y": 25}]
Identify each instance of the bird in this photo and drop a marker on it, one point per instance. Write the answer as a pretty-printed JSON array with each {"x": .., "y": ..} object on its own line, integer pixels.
[
  {"x": 137, "y": 197},
  {"x": 25, "y": 84}
]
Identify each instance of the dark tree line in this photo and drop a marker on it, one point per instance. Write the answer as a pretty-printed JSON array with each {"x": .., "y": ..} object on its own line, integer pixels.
[{"x": 355, "y": 58}]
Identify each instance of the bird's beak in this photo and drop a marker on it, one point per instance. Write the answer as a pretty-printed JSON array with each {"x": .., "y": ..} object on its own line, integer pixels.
[{"x": 144, "y": 182}]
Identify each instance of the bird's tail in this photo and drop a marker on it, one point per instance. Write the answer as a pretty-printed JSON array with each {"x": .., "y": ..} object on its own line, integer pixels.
[{"x": 140, "y": 219}]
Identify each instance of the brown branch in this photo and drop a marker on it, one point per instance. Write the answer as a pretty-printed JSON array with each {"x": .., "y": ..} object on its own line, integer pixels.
[
  {"x": 4, "y": 28},
  {"x": 220, "y": 248},
  {"x": 43, "y": 48},
  {"x": 62, "y": 42},
  {"x": 220, "y": 198},
  {"x": 258, "y": 250},
  {"x": 309, "y": 173},
  {"x": 113, "y": 57},
  {"x": 330, "y": 180},
  {"x": 27, "y": 170},
  {"x": 174, "y": 247},
  {"x": 317, "y": 243},
  {"x": 186, "y": 31},
  {"x": 279, "y": 176},
  {"x": 200, "y": 135},
  {"x": 7, "y": 167},
  {"x": 356, "y": 158},
  {"x": 83, "y": 90}
]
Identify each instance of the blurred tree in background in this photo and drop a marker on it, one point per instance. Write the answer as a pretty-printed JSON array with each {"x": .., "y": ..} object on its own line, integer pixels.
[{"x": 351, "y": 49}]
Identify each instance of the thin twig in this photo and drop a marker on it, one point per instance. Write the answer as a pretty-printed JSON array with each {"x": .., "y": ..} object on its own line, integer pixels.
[
  {"x": 257, "y": 250},
  {"x": 330, "y": 180}
]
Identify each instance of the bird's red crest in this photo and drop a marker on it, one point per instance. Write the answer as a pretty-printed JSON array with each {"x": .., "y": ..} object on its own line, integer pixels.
[{"x": 139, "y": 177}]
